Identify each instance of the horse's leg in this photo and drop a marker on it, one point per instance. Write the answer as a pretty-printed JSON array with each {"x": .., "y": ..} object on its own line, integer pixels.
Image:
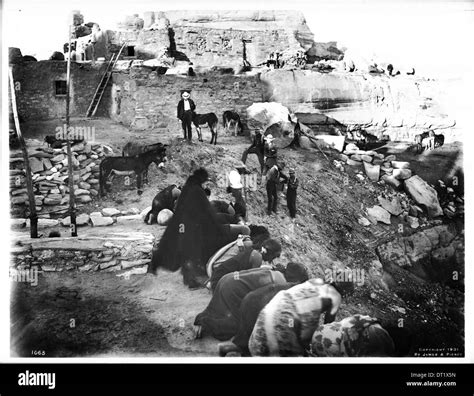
[{"x": 198, "y": 129}]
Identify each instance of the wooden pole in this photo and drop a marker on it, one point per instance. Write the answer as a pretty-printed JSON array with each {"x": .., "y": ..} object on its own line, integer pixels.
[
  {"x": 72, "y": 209},
  {"x": 29, "y": 181}
]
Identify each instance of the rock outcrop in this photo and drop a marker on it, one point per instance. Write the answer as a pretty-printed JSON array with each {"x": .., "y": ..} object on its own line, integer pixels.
[{"x": 424, "y": 195}]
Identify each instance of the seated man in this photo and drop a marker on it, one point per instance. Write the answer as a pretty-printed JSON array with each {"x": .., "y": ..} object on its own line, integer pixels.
[
  {"x": 221, "y": 317},
  {"x": 246, "y": 259}
]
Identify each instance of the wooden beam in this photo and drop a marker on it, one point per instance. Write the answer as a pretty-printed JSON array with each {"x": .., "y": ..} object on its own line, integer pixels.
[
  {"x": 29, "y": 180},
  {"x": 72, "y": 209}
]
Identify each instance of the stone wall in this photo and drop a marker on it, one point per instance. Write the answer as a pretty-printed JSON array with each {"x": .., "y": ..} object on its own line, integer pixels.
[
  {"x": 36, "y": 92},
  {"x": 115, "y": 252},
  {"x": 50, "y": 177},
  {"x": 148, "y": 100}
]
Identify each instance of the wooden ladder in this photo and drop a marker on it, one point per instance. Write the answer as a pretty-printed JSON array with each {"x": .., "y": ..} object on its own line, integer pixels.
[{"x": 99, "y": 92}]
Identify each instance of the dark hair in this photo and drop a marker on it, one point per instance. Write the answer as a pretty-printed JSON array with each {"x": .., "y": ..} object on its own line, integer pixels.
[
  {"x": 296, "y": 272},
  {"x": 272, "y": 245},
  {"x": 343, "y": 288}
]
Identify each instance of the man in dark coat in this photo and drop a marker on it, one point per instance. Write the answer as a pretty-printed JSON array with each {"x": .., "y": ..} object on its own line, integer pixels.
[
  {"x": 186, "y": 108},
  {"x": 291, "y": 193},
  {"x": 273, "y": 186}
]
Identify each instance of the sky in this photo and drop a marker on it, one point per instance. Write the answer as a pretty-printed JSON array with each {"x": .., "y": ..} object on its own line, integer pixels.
[{"x": 431, "y": 36}]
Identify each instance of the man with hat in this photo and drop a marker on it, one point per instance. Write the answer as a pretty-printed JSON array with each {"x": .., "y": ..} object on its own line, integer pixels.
[
  {"x": 291, "y": 193},
  {"x": 186, "y": 109},
  {"x": 273, "y": 183},
  {"x": 270, "y": 152}
]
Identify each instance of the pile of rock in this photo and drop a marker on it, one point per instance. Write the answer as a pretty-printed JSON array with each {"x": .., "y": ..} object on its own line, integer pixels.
[
  {"x": 50, "y": 177},
  {"x": 115, "y": 252},
  {"x": 377, "y": 166},
  {"x": 452, "y": 203},
  {"x": 104, "y": 217}
]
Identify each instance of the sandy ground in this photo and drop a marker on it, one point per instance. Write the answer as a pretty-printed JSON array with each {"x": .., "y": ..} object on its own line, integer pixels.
[{"x": 101, "y": 314}]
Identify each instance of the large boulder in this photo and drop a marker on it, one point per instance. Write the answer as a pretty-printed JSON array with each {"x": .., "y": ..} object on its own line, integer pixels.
[
  {"x": 424, "y": 195},
  {"x": 393, "y": 206},
  {"x": 378, "y": 214},
  {"x": 265, "y": 114}
]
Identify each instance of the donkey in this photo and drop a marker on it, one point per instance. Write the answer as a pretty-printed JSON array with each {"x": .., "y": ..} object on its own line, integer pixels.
[
  {"x": 138, "y": 164},
  {"x": 229, "y": 117},
  {"x": 132, "y": 149},
  {"x": 211, "y": 120}
]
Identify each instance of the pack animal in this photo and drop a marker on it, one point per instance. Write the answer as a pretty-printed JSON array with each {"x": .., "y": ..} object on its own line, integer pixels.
[
  {"x": 54, "y": 142},
  {"x": 132, "y": 149},
  {"x": 211, "y": 120},
  {"x": 229, "y": 118},
  {"x": 138, "y": 164}
]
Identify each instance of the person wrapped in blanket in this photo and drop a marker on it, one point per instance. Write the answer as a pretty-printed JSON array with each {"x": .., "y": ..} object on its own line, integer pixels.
[
  {"x": 221, "y": 318},
  {"x": 286, "y": 324},
  {"x": 355, "y": 336}
]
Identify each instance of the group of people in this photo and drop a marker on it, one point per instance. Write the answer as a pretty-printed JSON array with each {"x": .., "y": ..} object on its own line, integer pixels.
[
  {"x": 259, "y": 309},
  {"x": 267, "y": 153}
]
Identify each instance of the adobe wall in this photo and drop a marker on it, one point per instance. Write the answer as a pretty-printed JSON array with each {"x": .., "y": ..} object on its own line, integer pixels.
[
  {"x": 36, "y": 95},
  {"x": 148, "y": 100}
]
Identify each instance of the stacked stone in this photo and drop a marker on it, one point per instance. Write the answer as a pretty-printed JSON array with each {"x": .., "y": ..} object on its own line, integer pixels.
[
  {"x": 112, "y": 253},
  {"x": 377, "y": 166},
  {"x": 50, "y": 177}
]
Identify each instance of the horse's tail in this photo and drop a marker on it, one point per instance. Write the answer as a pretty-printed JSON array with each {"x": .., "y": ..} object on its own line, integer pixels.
[{"x": 224, "y": 118}]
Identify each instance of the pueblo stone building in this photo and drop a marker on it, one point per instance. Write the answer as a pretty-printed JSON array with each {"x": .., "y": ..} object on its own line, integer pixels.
[{"x": 219, "y": 56}]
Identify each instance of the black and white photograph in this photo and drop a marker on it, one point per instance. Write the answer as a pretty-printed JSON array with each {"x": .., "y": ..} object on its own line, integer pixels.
[{"x": 236, "y": 180}]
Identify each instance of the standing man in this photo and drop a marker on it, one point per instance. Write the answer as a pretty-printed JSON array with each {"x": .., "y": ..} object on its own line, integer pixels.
[
  {"x": 99, "y": 43},
  {"x": 186, "y": 109},
  {"x": 257, "y": 147},
  {"x": 273, "y": 185},
  {"x": 270, "y": 151},
  {"x": 291, "y": 193}
]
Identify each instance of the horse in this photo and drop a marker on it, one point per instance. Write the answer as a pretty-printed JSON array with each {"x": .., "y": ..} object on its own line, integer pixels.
[
  {"x": 211, "y": 120},
  {"x": 229, "y": 117},
  {"x": 132, "y": 149},
  {"x": 138, "y": 164}
]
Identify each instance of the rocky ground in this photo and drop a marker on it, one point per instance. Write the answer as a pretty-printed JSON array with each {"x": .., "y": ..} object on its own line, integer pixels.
[{"x": 152, "y": 316}]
